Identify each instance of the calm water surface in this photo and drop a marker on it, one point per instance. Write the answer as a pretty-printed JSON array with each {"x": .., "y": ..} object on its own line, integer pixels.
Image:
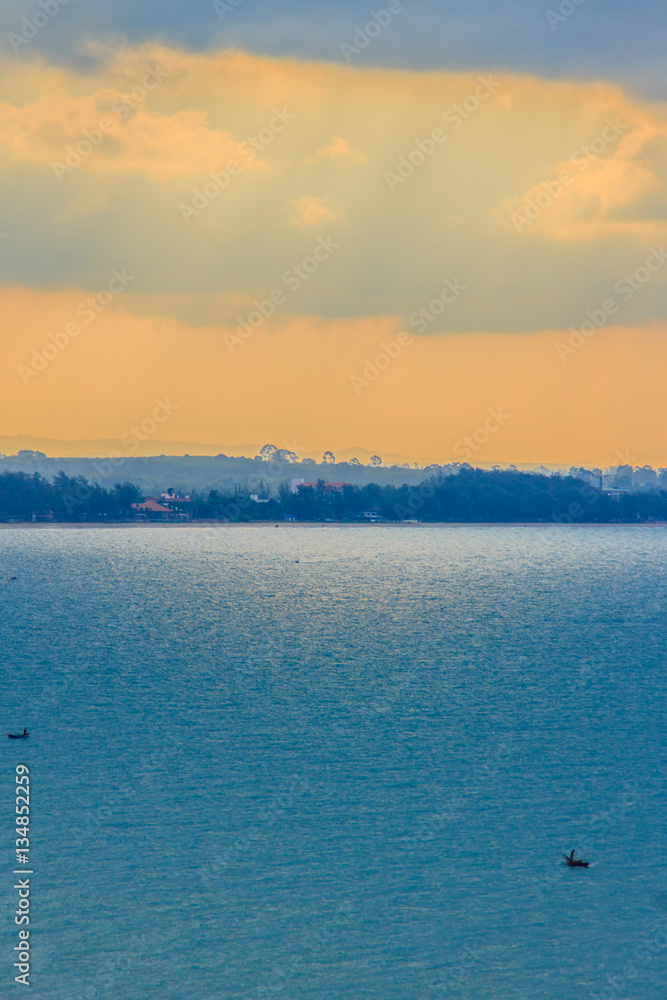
[{"x": 316, "y": 763}]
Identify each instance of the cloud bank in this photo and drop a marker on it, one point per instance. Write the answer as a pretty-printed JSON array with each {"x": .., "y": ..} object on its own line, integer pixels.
[
  {"x": 334, "y": 253},
  {"x": 209, "y": 174}
]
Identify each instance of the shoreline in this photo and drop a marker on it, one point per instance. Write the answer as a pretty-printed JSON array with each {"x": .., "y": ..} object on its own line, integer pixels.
[{"x": 143, "y": 525}]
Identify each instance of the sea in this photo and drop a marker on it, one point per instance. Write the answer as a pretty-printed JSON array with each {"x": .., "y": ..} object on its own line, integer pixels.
[{"x": 323, "y": 762}]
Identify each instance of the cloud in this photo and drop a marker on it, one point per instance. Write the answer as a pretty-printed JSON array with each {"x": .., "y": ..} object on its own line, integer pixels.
[
  {"x": 616, "y": 40},
  {"x": 421, "y": 210},
  {"x": 112, "y": 131},
  {"x": 84, "y": 205},
  {"x": 338, "y": 149},
  {"x": 598, "y": 192},
  {"x": 309, "y": 212}
]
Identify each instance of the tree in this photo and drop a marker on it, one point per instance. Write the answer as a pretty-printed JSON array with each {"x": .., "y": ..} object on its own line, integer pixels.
[
  {"x": 355, "y": 461},
  {"x": 646, "y": 477},
  {"x": 328, "y": 458},
  {"x": 268, "y": 453},
  {"x": 377, "y": 461},
  {"x": 124, "y": 495},
  {"x": 623, "y": 477}
]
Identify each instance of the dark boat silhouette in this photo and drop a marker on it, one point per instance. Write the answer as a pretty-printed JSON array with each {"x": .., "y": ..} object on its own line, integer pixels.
[
  {"x": 19, "y": 736},
  {"x": 573, "y": 862}
]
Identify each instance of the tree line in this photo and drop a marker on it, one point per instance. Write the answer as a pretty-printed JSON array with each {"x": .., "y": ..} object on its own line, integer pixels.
[
  {"x": 469, "y": 495},
  {"x": 28, "y": 497}
]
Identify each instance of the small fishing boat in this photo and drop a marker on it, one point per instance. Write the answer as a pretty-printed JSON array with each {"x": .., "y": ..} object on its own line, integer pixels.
[
  {"x": 573, "y": 862},
  {"x": 19, "y": 736}
]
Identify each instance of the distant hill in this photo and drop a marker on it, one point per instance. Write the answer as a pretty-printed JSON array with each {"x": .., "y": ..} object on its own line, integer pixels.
[
  {"x": 155, "y": 474},
  {"x": 103, "y": 447},
  {"x": 226, "y": 473}
]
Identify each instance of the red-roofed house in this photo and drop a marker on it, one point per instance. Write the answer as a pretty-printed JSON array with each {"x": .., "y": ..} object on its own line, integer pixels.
[{"x": 151, "y": 510}]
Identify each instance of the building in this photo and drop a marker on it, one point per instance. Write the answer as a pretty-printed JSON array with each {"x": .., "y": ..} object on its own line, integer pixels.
[
  {"x": 179, "y": 506},
  {"x": 43, "y": 515},
  {"x": 151, "y": 510}
]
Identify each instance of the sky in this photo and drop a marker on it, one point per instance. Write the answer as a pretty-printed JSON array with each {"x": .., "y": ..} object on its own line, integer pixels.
[{"x": 437, "y": 230}]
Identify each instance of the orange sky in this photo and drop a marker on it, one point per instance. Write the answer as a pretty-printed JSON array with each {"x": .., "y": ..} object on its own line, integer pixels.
[
  {"x": 348, "y": 204},
  {"x": 307, "y": 385}
]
